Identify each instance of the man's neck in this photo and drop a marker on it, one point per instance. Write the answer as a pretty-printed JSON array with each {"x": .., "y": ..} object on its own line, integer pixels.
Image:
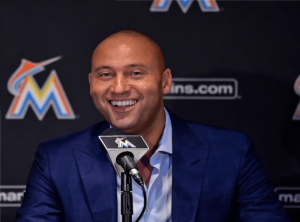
[
  {"x": 153, "y": 133},
  {"x": 152, "y": 137}
]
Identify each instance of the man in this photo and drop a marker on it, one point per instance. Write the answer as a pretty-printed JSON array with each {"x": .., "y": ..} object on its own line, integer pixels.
[{"x": 192, "y": 172}]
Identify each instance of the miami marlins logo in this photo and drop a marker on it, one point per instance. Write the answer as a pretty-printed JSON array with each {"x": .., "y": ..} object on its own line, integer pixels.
[
  {"x": 123, "y": 144},
  {"x": 164, "y": 5},
  {"x": 297, "y": 90},
  {"x": 27, "y": 92}
]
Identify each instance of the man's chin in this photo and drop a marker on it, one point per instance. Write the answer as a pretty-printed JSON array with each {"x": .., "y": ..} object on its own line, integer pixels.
[{"x": 124, "y": 125}]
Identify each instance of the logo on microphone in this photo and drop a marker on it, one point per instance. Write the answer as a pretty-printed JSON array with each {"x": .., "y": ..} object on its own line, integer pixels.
[
  {"x": 164, "y": 5},
  {"x": 297, "y": 90},
  {"x": 126, "y": 143},
  {"x": 27, "y": 92}
]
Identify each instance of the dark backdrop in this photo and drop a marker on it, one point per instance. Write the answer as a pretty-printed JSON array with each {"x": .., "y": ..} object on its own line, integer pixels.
[{"x": 253, "y": 44}]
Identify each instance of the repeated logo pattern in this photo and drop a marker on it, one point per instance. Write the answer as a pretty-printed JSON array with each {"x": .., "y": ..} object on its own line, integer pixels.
[
  {"x": 164, "y": 5},
  {"x": 297, "y": 90},
  {"x": 27, "y": 92}
]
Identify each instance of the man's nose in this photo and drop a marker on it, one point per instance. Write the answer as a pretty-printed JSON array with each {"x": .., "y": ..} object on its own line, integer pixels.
[{"x": 120, "y": 84}]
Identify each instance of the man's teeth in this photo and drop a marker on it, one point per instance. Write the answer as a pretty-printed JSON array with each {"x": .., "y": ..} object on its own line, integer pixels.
[{"x": 123, "y": 103}]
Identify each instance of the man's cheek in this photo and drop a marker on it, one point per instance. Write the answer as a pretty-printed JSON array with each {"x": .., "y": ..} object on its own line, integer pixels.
[
  {"x": 97, "y": 100},
  {"x": 154, "y": 92},
  {"x": 97, "y": 93}
]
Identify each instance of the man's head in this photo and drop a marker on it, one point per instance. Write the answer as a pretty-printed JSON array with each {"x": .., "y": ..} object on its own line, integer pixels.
[{"x": 128, "y": 80}]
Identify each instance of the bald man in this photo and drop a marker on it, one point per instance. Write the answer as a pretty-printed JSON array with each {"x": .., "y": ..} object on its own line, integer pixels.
[
  {"x": 129, "y": 67},
  {"x": 191, "y": 172}
]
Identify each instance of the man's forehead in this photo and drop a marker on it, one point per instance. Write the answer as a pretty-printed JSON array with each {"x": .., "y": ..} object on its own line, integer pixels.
[{"x": 129, "y": 42}]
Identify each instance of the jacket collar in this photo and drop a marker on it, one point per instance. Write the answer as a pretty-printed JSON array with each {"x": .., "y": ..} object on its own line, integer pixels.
[
  {"x": 189, "y": 161},
  {"x": 97, "y": 175}
]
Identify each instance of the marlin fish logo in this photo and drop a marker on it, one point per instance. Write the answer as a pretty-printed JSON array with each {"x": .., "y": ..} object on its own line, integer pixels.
[
  {"x": 297, "y": 91},
  {"x": 124, "y": 144},
  {"x": 27, "y": 92},
  {"x": 164, "y": 5}
]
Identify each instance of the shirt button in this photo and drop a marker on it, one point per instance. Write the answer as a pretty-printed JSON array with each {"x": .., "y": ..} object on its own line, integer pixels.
[{"x": 148, "y": 210}]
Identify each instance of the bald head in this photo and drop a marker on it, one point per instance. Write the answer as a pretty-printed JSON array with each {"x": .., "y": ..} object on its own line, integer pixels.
[{"x": 128, "y": 41}]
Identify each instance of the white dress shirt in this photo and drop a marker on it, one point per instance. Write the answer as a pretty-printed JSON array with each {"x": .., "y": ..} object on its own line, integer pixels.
[{"x": 159, "y": 193}]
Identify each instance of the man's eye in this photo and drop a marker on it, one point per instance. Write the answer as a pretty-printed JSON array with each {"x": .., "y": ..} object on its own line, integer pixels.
[
  {"x": 105, "y": 74},
  {"x": 136, "y": 73}
]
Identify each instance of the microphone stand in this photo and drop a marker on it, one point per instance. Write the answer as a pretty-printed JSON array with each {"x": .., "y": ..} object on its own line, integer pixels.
[{"x": 126, "y": 197}]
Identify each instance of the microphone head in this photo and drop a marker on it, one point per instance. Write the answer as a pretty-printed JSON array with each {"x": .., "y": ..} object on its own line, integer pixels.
[{"x": 115, "y": 142}]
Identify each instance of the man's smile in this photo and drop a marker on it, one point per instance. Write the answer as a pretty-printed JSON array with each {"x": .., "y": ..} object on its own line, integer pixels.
[{"x": 123, "y": 103}]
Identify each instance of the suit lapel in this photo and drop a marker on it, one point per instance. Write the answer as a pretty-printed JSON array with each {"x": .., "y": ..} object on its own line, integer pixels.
[
  {"x": 98, "y": 177},
  {"x": 189, "y": 162}
]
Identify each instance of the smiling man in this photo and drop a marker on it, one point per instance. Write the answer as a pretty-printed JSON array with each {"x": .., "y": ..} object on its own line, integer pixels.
[
  {"x": 127, "y": 84},
  {"x": 192, "y": 172}
]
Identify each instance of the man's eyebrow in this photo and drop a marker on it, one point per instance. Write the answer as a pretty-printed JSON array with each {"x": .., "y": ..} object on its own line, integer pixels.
[
  {"x": 136, "y": 65},
  {"x": 102, "y": 67},
  {"x": 130, "y": 66}
]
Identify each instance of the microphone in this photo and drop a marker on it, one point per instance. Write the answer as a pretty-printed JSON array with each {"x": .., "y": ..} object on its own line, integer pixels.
[{"x": 124, "y": 151}]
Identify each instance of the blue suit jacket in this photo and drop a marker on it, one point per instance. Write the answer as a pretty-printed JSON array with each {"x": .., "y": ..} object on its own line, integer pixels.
[{"x": 216, "y": 177}]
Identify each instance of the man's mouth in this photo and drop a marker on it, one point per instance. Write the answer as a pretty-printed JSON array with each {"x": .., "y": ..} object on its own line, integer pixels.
[{"x": 123, "y": 102}]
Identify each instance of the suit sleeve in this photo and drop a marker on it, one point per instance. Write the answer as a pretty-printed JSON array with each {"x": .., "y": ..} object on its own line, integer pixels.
[
  {"x": 256, "y": 199},
  {"x": 41, "y": 201}
]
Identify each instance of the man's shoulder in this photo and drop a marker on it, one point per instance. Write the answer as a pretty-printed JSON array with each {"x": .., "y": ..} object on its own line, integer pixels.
[
  {"x": 206, "y": 133},
  {"x": 231, "y": 145},
  {"x": 85, "y": 137},
  {"x": 217, "y": 133}
]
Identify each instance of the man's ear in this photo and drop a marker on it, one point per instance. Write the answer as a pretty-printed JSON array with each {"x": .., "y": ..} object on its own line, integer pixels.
[
  {"x": 90, "y": 81},
  {"x": 167, "y": 81},
  {"x": 90, "y": 78}
]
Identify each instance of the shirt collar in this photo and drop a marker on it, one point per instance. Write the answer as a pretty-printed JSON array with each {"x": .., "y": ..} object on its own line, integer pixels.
[{"x": 165, "y": 144}]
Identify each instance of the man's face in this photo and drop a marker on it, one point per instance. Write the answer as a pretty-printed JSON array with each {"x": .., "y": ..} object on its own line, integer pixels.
[{"x": 127, "y": 82}]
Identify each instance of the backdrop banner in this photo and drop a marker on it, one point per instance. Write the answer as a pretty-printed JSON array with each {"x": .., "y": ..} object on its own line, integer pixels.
[{"x": 235, "y": 65}]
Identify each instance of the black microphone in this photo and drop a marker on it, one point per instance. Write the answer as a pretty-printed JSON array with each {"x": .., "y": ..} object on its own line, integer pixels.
[
  {"x": 126, "y": 160},
  {"x": 124, "y": 150}
]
